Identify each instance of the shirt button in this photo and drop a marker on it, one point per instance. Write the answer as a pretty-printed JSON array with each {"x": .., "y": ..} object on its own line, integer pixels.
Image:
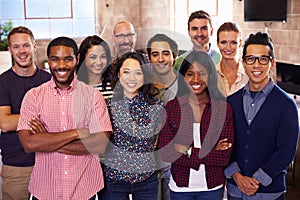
[
  {"x": 252, "y": 104},
  {"x": 66, "y": 157},
  {"x": 249, "y": 120},
  {"x": 66, "y": 173},
  {"x": 62, "y": 112},
  {"x": 246, "y": 147},
  {"x": 246, "y": 160},
  {"x": 248, "y": 132}
]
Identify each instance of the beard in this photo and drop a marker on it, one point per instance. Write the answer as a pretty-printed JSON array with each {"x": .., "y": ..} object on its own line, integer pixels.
[{"x": 67, "y": 81}]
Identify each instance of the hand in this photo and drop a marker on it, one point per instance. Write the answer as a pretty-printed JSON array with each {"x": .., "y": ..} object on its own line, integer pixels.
[
  {"x": 247, "y": 185},
  {"x": 223, "y": 145},
  {"x": 180, "y": 148},
  {"x": 36, "y": 126},
  {"x": 83, "y": 133}
]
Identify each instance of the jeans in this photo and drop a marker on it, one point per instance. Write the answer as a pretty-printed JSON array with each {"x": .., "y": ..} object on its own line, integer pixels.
[
  {"x": 164, "y": 180},
  {"x": 205, "y": 195},
  {"x": 282, "y": 197},
  {"x": 145, "y": 190}
]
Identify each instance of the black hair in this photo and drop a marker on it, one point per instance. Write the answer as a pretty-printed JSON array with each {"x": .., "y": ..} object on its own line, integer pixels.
[
  {"x": 148, "y": 89},
  {"x": 63, "y": 41},
  {"x": 259, "y": 38},
  {"x": 204, "y": 59},
  {"x": 164, "y": 38},
  {"x": 85, "y": 45}
]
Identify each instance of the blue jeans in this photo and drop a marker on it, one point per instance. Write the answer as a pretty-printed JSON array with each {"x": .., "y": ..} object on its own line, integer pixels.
[
  {"x": 145, "y": 190},
  {"x": 205, "y": 195},
  {"x": 229, "y": 197},
  {"x": 164, "y": 180}
]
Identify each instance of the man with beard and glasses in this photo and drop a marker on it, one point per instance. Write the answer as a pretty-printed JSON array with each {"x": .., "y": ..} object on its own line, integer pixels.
[
  {"x": 14, "y": 83},
  {"x": 66, "y": 123},
  {"x": 200, "y": 31},
  {"x": 124, "y": 37}
]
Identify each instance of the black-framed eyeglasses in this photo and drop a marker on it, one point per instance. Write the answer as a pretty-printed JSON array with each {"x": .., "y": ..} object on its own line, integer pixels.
[
  {"x": 123, "y": 36},
  {"x": 263, "y": 60}
]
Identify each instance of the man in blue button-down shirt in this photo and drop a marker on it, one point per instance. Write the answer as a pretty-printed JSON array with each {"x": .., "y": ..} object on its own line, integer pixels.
[{"x": 266, "y": 128}]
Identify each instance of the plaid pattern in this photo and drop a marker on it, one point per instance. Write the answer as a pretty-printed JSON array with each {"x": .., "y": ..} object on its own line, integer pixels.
[
  {"x": 179, "y": 129},
  {"x": 62, "y": 176}
]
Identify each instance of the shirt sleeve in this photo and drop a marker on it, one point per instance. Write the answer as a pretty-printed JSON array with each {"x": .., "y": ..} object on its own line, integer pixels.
[
  {"x": 28, "y": 110},
  {"x": 100, "y": 120},
  {"x": 231, "y": 169},
  {"x": 286, "y": 141}
]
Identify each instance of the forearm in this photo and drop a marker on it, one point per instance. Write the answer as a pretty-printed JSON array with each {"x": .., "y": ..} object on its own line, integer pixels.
[
  {"x": 93, "y": 144},
  {"x": 9, "y": 122},
  {"x": 46, "y": 142}
]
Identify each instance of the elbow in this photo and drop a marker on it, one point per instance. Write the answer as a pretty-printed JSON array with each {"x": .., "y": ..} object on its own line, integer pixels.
[
  {"x": 5, "y": 128},
  {"x": 28, "y": 148}
]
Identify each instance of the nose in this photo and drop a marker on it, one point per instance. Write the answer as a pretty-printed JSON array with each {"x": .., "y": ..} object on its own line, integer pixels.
[
  {"x": 196, "y": 78},
  {"x": 61, "y": 63},
  {"x": 161, "y": 58},
  {"x": 99, "y": 60}
]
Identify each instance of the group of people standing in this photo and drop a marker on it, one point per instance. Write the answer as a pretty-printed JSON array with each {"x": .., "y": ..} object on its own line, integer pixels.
[{"x": 161, "y": 127}]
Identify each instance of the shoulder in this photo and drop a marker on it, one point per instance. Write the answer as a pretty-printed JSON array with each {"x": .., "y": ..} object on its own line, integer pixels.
[{"x": 280, "y": 96}]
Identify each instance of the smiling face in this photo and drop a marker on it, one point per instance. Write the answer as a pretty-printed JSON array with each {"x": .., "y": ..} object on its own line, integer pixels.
[
  {"x": 161, "y": 57},
  {"x": 200, "y": 32},
  {"x": 197, "y": 78},
  {"x": 95, "y": 60},
  {"x": 124, "y": 38},
  {"x": 22, "y": 49},
  {"x": 62, "y": 62},
  {"x": 131, "y": 77},
  {"x": 229, "y": 43},
  {"x": 258, "y": 74}
]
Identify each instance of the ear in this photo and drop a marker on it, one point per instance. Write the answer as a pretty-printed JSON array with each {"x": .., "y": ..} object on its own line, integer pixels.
[
  {"x": 273, "y": 64},
  {"x": 78, "y": 57}
]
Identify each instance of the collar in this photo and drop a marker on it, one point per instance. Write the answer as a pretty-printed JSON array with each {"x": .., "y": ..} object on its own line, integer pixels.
[
  {"x": 266, "y": 90},
  {"x": 240, "y": 72},
  {"x": 69, "y": 89}
]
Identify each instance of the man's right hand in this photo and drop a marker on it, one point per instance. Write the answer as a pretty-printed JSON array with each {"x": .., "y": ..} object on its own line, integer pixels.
[{"x": 246, "y": 184}]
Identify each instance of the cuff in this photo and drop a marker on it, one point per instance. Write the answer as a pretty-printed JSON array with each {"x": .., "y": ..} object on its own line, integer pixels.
[
  {"x": 231, "y": 169},
  {"x": 262, "y": 177}
]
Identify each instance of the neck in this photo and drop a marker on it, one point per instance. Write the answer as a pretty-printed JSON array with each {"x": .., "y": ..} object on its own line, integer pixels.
[
  {"x": 199, "y": 99},
  {"x": 94, "y": 79},
  {"x": 165, "y": 80},
  {"x": 24, "y": 71},
  {"x": 229, "y": 64},
  {"x": 256, "y": 87}
]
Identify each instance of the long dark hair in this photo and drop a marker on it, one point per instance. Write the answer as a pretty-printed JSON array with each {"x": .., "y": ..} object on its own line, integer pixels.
[
  {"x": 85, "y": 45},
  {"x": 148, "y": 89},
  {"x": 204, "y": 59}
]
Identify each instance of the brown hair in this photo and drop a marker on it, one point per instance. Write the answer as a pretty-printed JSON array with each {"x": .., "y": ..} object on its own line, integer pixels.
[{"x": 20, "y": 29}]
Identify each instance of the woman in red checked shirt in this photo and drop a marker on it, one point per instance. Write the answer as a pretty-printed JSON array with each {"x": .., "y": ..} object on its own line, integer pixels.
[{"x": 198, "y": 134}]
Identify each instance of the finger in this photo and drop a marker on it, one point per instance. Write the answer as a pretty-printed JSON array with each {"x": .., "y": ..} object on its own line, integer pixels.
[{"x": 255, "y": 181}]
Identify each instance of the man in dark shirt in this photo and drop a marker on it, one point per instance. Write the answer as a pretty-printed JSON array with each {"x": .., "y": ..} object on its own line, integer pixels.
[{"x": 14, "y": 83}]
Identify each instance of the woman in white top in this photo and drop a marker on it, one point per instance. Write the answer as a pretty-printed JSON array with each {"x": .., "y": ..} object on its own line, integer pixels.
[
  {"x": 198, "y": 132},
  {"x": 231, "y": 74}
]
